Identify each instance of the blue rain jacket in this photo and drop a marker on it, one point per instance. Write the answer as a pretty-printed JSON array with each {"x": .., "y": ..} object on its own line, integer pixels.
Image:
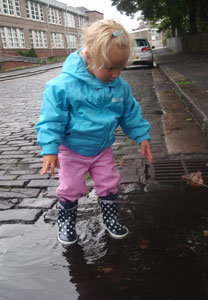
[{"x": 82, "y": 113}]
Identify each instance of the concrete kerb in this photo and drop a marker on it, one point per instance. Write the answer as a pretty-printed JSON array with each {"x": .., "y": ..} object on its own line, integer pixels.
[{"x": 192, "y": 96}]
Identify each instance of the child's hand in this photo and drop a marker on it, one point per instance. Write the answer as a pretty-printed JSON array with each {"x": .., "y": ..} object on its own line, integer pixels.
[
  {"x": 146, "y": 150},
  {"x": 50, "y": 162}
]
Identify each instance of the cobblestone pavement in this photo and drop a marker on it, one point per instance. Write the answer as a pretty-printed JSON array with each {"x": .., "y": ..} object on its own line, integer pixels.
[
  {"x": 24, "y": 194},
  {"x": 163, "y": 257},
  {"x": 20, "y": 162}
]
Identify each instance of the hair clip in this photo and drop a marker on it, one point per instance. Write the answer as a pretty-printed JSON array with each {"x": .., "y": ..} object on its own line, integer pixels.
[{"x": 117, "y": 33}]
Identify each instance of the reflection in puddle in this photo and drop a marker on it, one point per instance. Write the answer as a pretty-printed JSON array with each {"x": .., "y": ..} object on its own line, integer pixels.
[
  {"x": 92, "y": 239},
  {"x": 89, "y": 228},
  {"x": 163, "y": 257}
]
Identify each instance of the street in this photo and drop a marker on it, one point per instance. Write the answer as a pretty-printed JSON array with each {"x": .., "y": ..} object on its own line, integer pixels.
[
  {"x": 20, "y": 181},
  {"x": 164, "y": 256}
]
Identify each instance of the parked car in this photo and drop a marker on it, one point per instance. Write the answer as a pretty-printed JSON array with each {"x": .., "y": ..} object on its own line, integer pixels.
[{"x": 144, "y": 54}]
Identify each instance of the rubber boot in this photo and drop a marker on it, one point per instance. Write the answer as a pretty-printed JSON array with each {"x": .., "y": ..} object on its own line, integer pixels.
[
  {"x": 66, "y": 222},
  {"x": 109, "y": 207}
]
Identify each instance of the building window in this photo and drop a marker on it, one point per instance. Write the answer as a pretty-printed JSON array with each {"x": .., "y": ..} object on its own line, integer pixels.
[
  {"x": 81, "y": 22},
  {"x": 154, "y": 31},
  {"x": 72, "y": 41},
  {"x": 12, "y": 37},
  {"x": 34, "y": 11},
  {"x": 81, "y": 41},
  {"x": 3, "y": 37},
  {"x": 70, "y": 20},
  {"x": 10, "y": 7},
  {"x": 54, "y": 16},
  {"x": 38, "y": 39},
  {"x": 57, "y": 40}
]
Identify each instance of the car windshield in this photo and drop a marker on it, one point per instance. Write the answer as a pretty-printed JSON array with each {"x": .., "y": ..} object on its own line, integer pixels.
[{"x": 141, "y": 43}]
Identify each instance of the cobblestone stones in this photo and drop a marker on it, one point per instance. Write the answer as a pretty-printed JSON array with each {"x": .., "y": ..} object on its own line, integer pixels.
[
  {"x": 42, "y": 203},
  {"x": 166, "y": 228},
  {"x": 12, "y": 183},
  {"x": 24, "y": 194},
  {"x": 43, "y": 183},
  {"x": 33, "y": 176},
  {"x": 6, "y": 204},
  {"x": 19, "y": 215},
  {"x": 10, "y": 193}
]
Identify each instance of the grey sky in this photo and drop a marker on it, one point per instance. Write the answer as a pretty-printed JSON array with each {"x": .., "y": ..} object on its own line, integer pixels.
[{"x": 105, "y": 7}]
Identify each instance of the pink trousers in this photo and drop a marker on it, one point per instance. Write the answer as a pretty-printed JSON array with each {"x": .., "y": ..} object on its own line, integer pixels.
[{"x": 73, "y": 168}]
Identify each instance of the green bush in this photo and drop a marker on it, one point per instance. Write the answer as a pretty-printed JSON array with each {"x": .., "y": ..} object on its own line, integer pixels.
[{"x": 29, "y": 53}]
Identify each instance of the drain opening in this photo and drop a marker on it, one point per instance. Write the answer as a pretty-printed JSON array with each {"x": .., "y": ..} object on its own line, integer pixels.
[{"x": 172, "y": 171}]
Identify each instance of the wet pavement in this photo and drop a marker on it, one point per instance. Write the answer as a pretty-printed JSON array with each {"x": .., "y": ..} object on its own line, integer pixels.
[
  {"x": 192, "y": 66},
  {"x": 189, "y": 76},
  {"x": 165, "y": 254},
  {"x": 20, "y": 181},
  {"x": 163, "y": 257}
]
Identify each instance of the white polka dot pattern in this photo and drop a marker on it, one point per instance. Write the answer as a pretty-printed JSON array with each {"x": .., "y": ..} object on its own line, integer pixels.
[
  {"x": 110, "y": 219},
  {"x": 66, "y": 223}
]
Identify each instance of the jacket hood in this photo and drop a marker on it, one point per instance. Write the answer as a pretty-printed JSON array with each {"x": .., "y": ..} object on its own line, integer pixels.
[{"x": 76, "y": 66}]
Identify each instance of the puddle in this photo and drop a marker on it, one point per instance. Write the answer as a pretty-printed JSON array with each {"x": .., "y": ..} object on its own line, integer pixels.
[{"x": 164, "y": 257}]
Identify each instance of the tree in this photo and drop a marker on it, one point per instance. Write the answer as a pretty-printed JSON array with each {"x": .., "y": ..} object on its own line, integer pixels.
[
  {"x": 181, "y": 16},
  {"x": 202, "y": 16}
]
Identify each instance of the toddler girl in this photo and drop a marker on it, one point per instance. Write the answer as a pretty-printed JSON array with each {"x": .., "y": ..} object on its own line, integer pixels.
[{"x": 81, "y": 109}]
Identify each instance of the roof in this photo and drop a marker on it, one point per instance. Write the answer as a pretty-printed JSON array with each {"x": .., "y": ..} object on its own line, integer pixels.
[
  {"x": 60, "y": 5},
  {"x": 95, "y": 11}
]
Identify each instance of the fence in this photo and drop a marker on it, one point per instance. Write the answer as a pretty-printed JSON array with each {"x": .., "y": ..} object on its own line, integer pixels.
[{"x": 191, "y": 44}]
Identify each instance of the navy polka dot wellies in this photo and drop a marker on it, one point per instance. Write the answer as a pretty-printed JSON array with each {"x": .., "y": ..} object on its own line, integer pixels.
[
  {"x": 109, "y": 207},
  {"x": 66, "y": 222}
]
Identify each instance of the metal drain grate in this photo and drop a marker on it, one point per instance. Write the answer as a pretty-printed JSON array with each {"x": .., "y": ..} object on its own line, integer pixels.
[{"x": 171, "y": 171}]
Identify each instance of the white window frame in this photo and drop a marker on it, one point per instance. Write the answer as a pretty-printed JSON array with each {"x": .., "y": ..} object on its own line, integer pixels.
[
  {"x": 81, "y": 40},
  {"x": 57, "y": 40},
  {"x": 38, "y": 39},
  {"x": 81, "y": 22},
  {"x": 54, "y": 16},
  {"x": 10, "y": 7},
  {"x": 154, "y": 32},
  {"x": 34, "y": 11},
  {"x": 12, "y": 37},
  {"x": 72, "y": 41},
  {"x": 70, "y": 20}
]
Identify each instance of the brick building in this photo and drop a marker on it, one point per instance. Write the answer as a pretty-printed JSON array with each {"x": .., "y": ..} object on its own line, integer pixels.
[{"x": 50, "y": 27}]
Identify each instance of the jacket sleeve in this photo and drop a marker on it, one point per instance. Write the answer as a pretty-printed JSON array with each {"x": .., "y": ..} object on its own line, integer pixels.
[
  {"x": 53, "y": 118},
  {"x": 132, "y": 122}
]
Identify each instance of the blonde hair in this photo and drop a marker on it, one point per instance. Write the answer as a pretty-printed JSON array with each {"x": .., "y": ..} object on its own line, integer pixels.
[{"x": 100, "y": 36}]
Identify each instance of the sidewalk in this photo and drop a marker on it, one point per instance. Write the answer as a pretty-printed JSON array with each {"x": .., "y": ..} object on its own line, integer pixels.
[{"x": 189, "y": 76}]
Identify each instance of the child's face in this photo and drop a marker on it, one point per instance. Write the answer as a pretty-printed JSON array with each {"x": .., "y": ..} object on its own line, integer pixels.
[{"x": 118, "y": 59}]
